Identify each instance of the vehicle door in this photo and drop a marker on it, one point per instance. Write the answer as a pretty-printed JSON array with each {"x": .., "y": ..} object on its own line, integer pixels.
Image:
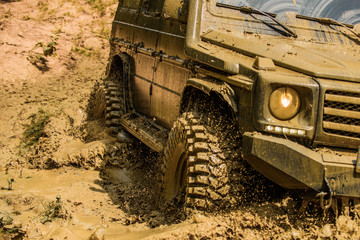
[
  {"x": 144, "y": 52},
  {"x": 170, "y": 75}
]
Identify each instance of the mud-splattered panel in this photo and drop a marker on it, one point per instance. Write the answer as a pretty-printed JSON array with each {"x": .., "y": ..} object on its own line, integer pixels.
[{"x": 168, "y": 85}]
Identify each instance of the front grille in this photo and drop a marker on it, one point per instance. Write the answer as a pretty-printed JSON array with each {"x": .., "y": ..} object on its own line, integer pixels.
[{"x": 342, "y": 113}]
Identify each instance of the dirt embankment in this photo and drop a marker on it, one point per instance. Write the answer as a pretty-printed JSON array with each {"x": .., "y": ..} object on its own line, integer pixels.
[{"x": 63, "y": 177}]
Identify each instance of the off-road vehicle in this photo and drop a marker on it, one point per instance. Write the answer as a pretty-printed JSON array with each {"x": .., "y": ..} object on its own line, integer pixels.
[{"x": 211, "y": 84}]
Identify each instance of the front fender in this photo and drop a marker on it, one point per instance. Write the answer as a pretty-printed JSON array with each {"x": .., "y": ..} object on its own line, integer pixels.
[{"x": 208, "y": 86}]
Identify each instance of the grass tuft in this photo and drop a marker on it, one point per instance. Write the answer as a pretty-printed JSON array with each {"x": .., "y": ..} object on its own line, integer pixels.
[
  {"x": 53, "y": 211},
  {"x": 100, "y": 5}
]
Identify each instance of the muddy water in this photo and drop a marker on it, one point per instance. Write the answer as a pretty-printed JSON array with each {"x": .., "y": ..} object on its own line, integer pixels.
[
  {"x": 35, "y": 190},
  {"x": 87, "y": 210}
]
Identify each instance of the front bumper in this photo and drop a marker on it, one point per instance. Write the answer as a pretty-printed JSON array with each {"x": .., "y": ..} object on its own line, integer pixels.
[{"x": 295, "y": 167}]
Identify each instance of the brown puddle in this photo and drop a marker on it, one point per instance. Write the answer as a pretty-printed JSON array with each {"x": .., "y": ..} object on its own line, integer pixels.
[{"x": 89, "y": 212}]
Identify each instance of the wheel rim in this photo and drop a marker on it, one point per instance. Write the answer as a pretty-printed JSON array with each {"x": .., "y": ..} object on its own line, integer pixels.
[{"x": 180, "y": 172}]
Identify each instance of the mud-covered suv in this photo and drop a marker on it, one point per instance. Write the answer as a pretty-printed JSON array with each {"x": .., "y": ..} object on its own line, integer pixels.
[{"x": 211, "y": 83}]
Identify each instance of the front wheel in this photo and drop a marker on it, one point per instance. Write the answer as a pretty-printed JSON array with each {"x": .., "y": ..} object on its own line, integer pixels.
[{"x": 199, "y": 160}]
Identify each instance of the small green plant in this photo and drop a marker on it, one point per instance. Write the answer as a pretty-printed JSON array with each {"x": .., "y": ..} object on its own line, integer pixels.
[
  {"x": 82, "y": 51},
  {"x": 43, "y": 6},
  {"x": 49, "y": 48},
  {"x": 35, "y": 129},
  {"x": 58, "y": 30},
  {"x": 104, "y": 31},
  {"x": 10, "y": 183},
  {"x": 100, "y": 5},
  {"x": 53, "y": 210},
  {"x": 26, "y": 17}
]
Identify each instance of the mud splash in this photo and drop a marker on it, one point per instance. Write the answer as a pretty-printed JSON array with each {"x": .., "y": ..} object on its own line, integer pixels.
[{"x": 121, "y": 207}]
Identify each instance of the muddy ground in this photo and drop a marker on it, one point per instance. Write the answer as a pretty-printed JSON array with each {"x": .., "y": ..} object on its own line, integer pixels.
[{"x": 62, "y": 176}]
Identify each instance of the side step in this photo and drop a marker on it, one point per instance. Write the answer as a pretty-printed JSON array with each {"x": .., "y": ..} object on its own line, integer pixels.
[{"x": 144, "y": 129}]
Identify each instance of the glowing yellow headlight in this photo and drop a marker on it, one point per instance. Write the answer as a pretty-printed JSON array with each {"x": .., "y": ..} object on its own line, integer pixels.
[{"x": 284, "y": 103}]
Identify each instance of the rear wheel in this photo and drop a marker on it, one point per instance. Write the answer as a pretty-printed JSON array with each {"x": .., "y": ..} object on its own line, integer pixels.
[
  {"x": 114, "y": 104},
  {"x": 199, "y": 160},
  {"x": 117, "y": 100}
]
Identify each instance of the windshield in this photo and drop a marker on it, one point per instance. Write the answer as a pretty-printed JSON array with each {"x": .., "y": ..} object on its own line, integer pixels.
[{"x": 345, "y": 11}]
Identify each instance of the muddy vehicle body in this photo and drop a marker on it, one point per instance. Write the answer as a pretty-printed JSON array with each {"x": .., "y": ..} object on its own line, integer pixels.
[{"x": 211, "y": 83}]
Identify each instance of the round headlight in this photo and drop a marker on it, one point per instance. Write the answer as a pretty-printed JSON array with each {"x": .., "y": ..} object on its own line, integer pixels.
[{"x": 284, "y": 103}]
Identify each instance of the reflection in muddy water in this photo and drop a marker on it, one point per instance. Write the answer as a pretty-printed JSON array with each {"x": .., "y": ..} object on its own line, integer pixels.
[{"x": 347, "y": 11}]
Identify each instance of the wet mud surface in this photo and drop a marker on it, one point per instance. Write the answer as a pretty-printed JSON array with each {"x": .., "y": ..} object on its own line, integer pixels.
[{"x": 67, "y": 178}]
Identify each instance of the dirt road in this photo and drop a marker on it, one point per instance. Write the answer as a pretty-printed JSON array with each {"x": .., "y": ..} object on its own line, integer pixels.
[{"x": 55, "y": 174}]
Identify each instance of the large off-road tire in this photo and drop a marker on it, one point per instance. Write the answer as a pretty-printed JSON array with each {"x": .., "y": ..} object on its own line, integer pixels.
[
  {"x": 115, "y": 93},
  {"x": 114, "y": 103},
  {"x": 199, "y": 160}
]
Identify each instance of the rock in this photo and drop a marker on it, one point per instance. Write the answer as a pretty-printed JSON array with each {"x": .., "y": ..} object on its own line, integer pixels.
[{"x": 326, "y": 231}]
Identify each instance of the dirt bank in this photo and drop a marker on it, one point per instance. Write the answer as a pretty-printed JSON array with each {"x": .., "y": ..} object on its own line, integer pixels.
[{"x": 63, "y": 177}]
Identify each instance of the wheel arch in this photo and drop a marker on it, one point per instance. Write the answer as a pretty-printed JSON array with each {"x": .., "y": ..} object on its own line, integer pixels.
[
  {"x": 114, "y": 64},
  {"x": 212, "y": 89}
]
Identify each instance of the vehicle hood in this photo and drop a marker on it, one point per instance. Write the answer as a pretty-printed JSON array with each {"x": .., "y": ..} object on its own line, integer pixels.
[{"x": 325, "y": 60}]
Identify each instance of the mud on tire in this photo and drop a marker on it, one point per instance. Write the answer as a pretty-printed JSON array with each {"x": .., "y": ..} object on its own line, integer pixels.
[
  {"x": 198, "y": 160},
  {"x": 115, "y": 92}
]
